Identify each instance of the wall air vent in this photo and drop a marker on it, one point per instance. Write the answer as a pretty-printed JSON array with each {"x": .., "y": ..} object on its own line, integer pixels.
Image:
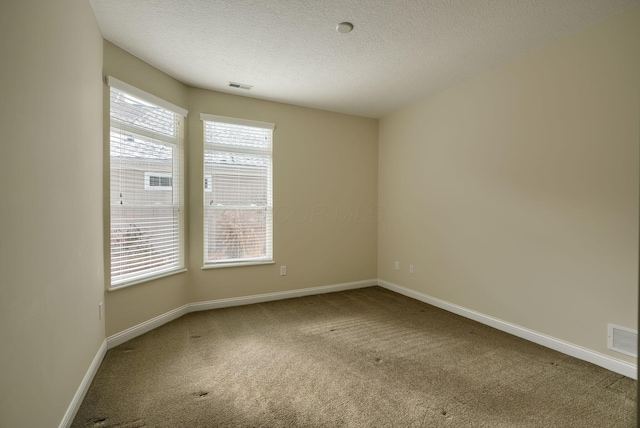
[
  {"x": 623, "y": 340},
  {"x": 240, "y": 86}
]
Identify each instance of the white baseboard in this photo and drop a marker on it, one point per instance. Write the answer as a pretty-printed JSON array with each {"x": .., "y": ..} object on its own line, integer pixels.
[
  {"x": 73, "y": 408},
  {"x": 281, "y": 295},
  {"x": 146, "y": 326},
  {"x": 610, "y": 363},
  {"x": 156, "y": 322},
  {"x": 602, "y": 360}
]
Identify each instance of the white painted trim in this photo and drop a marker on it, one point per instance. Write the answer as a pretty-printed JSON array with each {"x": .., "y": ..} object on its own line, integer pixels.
[
  {"x": 609, "y": 363},
  {"x": 237, "y": 264},
  {"x": 236, "y": 121},
  {"x": 602, "y": 360},
  {"x": 145, "y": 96},
  {"x": 74, "y": 406},
  {"x": 142, "y": 328},
  {"x": 281, "y": 295}
]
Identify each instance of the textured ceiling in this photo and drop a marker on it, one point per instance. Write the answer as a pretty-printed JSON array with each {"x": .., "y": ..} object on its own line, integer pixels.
[{"x": 398, "y": 52}]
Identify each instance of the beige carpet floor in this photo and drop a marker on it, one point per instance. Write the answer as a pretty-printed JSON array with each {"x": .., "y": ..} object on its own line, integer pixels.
[{"x": 359, "y": 358}]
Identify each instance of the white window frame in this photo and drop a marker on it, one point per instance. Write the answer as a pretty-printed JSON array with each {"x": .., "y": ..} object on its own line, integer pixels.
[
  {"x": 268, "y": 257},
  {"x": 177, "y": 262}
]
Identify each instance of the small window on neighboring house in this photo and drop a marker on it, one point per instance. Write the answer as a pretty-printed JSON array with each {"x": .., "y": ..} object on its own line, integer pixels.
[
  {"x": 158, "y": 181},
  {"x": 146, "y": 182},
  {"x": 208, "y": 185}
]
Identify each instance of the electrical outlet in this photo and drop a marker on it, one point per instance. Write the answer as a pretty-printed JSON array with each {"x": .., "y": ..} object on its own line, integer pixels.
[
  {"x": 283, "y": 270},
  {"x": 100, "y": 310},
  {"x": 397, "y": 265},
  {"x": 410, "y": 268}
]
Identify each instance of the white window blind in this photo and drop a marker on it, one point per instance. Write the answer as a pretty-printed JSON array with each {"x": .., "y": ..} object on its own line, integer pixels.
[
  {"x": 238, "y": 206},
  {"x": 146, "y": 181}
]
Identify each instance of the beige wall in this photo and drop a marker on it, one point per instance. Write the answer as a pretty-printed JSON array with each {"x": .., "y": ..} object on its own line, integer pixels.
[
  {"x": 515, "y": 194},
  {"x": 133, "y": 305},
  {"x": 325, "y": 197},
  {"x": 51, "y": 271}
]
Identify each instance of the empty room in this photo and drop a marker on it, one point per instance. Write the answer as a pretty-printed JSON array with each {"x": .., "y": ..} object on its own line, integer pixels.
[{"x": 357, "y": 213}]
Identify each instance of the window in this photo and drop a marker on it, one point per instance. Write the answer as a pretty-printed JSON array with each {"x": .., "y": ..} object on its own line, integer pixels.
[
  {"x": 146, "y": 182},
  {"x": 158, "y": 181},
  {"x": 238, "y": 207}
]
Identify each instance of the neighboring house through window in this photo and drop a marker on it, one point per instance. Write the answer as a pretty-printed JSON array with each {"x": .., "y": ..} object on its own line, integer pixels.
[
  {"x": 237, "y": 190},
  {"x": 146, "y": 182}
]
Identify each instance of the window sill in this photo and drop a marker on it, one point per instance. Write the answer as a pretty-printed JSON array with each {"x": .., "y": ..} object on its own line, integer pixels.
[
  {"x": 236, "y": 264},
  {"x": 145, "y": 279}
]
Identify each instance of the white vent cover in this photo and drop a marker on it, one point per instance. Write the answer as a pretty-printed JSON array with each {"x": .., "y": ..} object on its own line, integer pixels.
[{"x": 624, "y": 340}]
